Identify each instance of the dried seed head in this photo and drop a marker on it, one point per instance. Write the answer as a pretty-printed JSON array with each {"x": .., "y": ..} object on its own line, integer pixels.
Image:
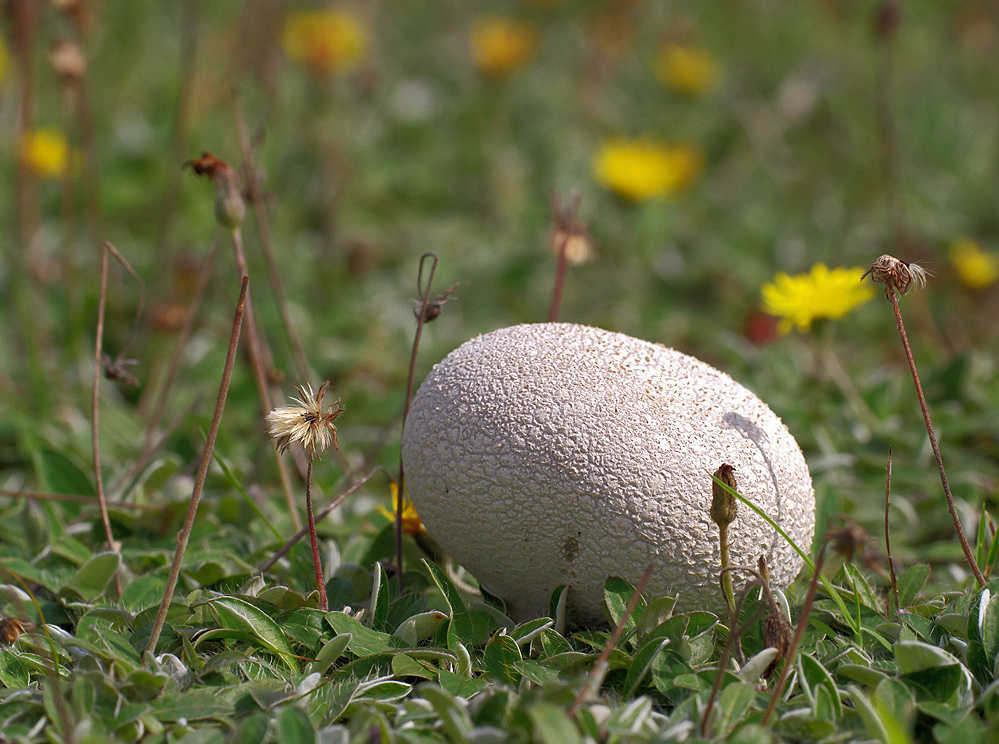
[
  {"x": 306, "y": 422},
  {"x": 68, "y": 61},
  {"x": 723, "y": 503},
  {"x": 569, "y": 234},
  {"x": 897, "y": 275},
  {"x": 435, "y": 306},
  {"x": 776, "y": 634},
  {"x": 229, "y": 206},
  {"x": 10, "y": 629}
]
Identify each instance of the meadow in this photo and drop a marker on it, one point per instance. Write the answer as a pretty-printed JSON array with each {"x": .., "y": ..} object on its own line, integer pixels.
[{"x": 715, "y": 177}]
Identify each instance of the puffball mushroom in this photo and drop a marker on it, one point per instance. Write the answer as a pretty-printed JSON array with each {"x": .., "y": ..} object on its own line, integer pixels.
[{"x": 555, "y": 453}]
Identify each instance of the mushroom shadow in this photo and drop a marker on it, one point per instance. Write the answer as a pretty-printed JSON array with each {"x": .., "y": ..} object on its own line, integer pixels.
[{"x": 757, "y": 436}]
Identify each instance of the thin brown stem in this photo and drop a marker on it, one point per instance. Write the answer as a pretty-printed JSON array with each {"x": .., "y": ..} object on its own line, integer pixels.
[
  {"x": 191, "y": 314},
  {"x": 891, "y": 561},
  {"x": 796, "y": 640},
  {"x": 319, "y": 517},
  {"x": 69, "y": 498},
  {"x": 255, "y": 196},
  {"x": 734, "y": 634},
  {"x": 563, "y": 263},
  {"x": 95, "y": 409},
  {"x": 206, "y": 458},
  {"x": 424, "y": 295},
  {"x": 26, "y": 304},
  {"x": 190, "y": 22},
  {"x": 600, "y": 668},
  {"x": 969, "y": 556},
  {"x": 260, "y": 376},
  {"x": 317, "y": 562}
]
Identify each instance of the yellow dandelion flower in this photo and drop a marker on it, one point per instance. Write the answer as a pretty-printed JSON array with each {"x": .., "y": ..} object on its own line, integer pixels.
[
  {"x": 975, "y": 267},
  {"x": 327, "y": 41},
  {"x": 501, "y": 46},
  {"x": 823, "y": 293},
  {"x": 687, "y": 69},
  {"x": 306, "y": 422},
  {"x": 45, "y": 152},
  {"x": 644, "y": 169},
  {"x": 411, "y": 523}
]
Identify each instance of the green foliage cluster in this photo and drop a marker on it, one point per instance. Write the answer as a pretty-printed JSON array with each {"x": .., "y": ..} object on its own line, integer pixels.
[{"x": 358, "y": 183}]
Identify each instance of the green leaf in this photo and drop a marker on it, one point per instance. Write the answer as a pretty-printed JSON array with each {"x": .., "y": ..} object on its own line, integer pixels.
[
  {"x": 379, "y": 598},
  {"x": 500, "y": 657},
  {"x": 95, "y": 574},
  {"x": 454, "y": 719},
  {"x": 527, "y": 632},
  {"x": 194, "y": 705},
  {"x": 144, "y": 592},
  {"x": 237, "y": 614},
  {"x": 556, "y": 607},
  {"x": 419, "y": 627},
  {"x": 733, "y": 703},
  {"x": 385, "y": 690},
  {"x": 552, "y": 724},
  {"x": 815, "y": 676},
  {"x": 617, "y": 594},
  {"x": 910, "y": 582},
  {"x": 12, "y": 672},
  {"x": 59, "y": 474},
  {"x": 294, "y": 726},
  {"x": 642, "y": 664},
  {"x": 332, "y": 650},
  {"x": 363, "y": 640}
]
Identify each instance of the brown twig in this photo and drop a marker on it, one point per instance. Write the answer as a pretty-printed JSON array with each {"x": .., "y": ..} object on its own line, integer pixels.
[
  {"x": 95, "y": 408},
  {"x": 891, "y": 561},
  {"x": 26, "y": 305},
  {"x": 933, "y": 439},
  {"x": 563, "y": 263},
  {"x": 190, "y": 22},
  {"x": 163, "y": 394},
  {"x": 317, "y": 562},
  {"x": 206, "y": 458},
  {"x": 796, "y": 640},
  {"x": 421, "y": 320},
  {"x": 900, "y": 276},
  {"x": 319, "y": 517},
  {"x": 71, "y": 498},
  {"x": 255, "y": 197},
  {"x": 735, "y": 633},
  {"x": 260, "y": 376},
  {"x": 600, "y": 668}
]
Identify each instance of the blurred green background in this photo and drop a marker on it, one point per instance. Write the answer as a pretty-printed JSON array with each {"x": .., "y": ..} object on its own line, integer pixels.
[{"x": 814, "y": 132}]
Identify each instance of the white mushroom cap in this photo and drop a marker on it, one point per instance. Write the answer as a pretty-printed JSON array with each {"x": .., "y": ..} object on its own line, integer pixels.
[{"x": 554, "y": 453}]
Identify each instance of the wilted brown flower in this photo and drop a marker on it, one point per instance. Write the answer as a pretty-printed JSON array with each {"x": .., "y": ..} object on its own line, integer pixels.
[
  {"x": 568, "y": 232},
  {"x": 306, "y": 422},
  {"x": 68, "y": 61},
  {"x": 229, "y": 206},
  {"x": 897, "y": 275},
  {"x": 10, "y": 629},
  {"x": 723, "y": 504}
]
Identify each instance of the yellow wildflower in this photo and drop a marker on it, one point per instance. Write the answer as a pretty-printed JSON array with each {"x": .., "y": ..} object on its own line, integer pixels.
[
  {"x": 45, "y": 152},
  {"x": 975, "y": 267},
  {"x": 411, "y": 523},
  {"x": 823, "y": 293},
  {"x": 327, "y": 41},
  {"x": 4, "y": 61},
  {"x": 687, "y": 69},
  {"x": 645, "y": 169},
  {"x": 501, "y": 46}
]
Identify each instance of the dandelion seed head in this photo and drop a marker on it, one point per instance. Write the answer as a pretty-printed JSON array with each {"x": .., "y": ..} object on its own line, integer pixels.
[
  {"x": 306, "y": 422},
  {"x": 897, "y": 275}
]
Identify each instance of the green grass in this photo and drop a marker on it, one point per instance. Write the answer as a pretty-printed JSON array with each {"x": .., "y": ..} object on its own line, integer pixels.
[{"x": 358, "y": 187}]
